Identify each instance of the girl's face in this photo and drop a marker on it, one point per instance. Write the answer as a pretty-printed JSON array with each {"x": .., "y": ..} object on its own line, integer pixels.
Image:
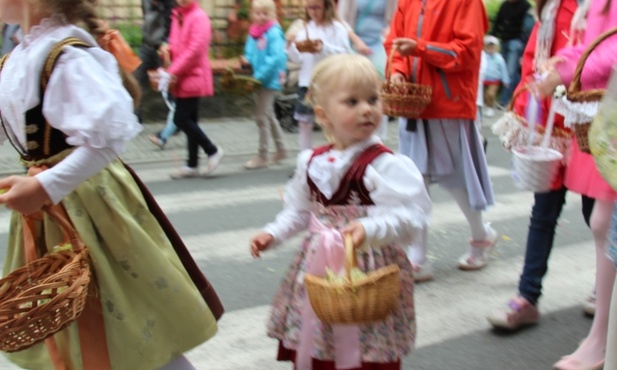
[
  {"x": 260, "y": 15},
  {"x": 351, "y": 114},
  {"x": 315, "y": 10}
]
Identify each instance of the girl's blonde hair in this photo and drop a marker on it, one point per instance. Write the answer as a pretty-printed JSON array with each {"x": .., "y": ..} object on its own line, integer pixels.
[
  {"x": 268, "y": 5},
  {"x": 84, "y": 11},
  {"x": 329, "y": 13},
  {"x": 340, "y": 70}
]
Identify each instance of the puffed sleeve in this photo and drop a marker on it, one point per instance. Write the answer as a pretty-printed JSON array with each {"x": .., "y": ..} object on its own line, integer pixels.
[
  {"x": 295, "y": 216},
  {"x": 86, "y": 100},
  {"x": 402, "y": 204}
]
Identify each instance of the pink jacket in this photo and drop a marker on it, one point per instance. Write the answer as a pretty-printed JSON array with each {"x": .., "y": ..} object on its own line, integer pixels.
[
  {"x": 189, "y": 40},
  {"x": 597, "y": 69}
]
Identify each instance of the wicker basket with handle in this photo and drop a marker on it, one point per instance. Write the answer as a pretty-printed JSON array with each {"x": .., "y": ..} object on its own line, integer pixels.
[
  {"x": 581, "y": 130},
  {"x": 405, "y": 99},
  {"x": 308, "y": 45},
  {"x": 516, "y": 132},
  {"x": 239, "y": 84},
  {"x": 48, "y": 293},
  {"x": 369, "y": 299}
]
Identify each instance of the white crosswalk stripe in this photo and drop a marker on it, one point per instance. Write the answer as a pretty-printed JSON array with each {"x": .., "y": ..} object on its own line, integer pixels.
[{"x": 242, "y": 332}]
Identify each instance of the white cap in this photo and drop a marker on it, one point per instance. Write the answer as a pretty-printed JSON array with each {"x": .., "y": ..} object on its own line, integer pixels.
[{"x": 491, "y": 40}]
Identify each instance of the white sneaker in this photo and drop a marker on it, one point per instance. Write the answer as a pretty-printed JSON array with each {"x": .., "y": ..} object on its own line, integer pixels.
[
  {"x": 215, "y": 159},
  {"x": 423, "y": 272},
  {"x": 185, "y": 172},
  {"x": 489, "y": 112}
]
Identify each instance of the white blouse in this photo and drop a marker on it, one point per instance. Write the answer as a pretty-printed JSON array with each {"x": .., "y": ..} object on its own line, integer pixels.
[
  {"x": 335, "y": 39},
  {"x": 402, "y": 204},
  {"x": 84, "y": 98}
]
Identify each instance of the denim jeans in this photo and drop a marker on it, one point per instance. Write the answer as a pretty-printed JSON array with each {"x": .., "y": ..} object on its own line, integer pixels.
[
  {"x": 512, "y": 51},
  {"x": 170, "y": 128},
  {"x": 544, "y": 215}
]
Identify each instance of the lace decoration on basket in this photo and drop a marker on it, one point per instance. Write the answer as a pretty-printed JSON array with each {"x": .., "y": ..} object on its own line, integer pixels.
[
  {"x": 512, "y": 132},
  {"x": 576, "y": 113}
]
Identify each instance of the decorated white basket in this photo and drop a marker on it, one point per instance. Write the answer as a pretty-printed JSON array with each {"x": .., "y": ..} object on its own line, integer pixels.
[{"x": 534, "y": 167}]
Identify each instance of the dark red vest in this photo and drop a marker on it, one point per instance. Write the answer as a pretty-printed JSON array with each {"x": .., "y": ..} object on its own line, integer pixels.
[{"x": 352, "y": 182}]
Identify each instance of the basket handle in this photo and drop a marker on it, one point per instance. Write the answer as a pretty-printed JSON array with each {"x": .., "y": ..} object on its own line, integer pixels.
[
  {"x": 389, "y": 64},
  {"x": 306, "y": 30},
  {"x": 575, "y": 84},
  {"x": 548, "y": 129},
  {"x": 351, "y": 260}
]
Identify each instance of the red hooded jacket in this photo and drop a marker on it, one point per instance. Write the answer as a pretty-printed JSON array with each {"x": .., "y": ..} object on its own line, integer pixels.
[{"x": 450, "y": 36}]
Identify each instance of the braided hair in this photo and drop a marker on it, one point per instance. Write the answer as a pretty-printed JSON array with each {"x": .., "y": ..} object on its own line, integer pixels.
[{"x": 84, "y": 11}]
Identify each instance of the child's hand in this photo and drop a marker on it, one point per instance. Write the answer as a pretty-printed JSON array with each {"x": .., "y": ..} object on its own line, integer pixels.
[
  {"x": 319, "y": 47},
  {"x": 259, "y": 243},
  {"x": 244, "y": 61},
  {"x": 546, "y": 87},
  {"x": 358, "y": 234},
  {"x": 362, "y": 49},
  {"x": 404, "y": 46},
  {"x": 24, "y": 194},
  {"x": 550, "y": 65},
  {"x": 163, "y": 49},
  {"x": 397, "y": 78}
]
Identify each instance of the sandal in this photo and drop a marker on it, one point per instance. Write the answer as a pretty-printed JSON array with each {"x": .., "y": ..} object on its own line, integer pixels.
[{"x": 471, "y": 261}]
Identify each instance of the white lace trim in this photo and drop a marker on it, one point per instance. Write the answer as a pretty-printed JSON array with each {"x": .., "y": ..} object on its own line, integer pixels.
[
  {"x": 41, "y": 29},
  {"x": 512, "y": 132},
  {"x": 576, "y": 113}
]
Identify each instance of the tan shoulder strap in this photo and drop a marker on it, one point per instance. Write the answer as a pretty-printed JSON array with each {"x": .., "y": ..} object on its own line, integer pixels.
[
  {"x": 3, "y": 60},
  {"x": 54, "y": 54}
]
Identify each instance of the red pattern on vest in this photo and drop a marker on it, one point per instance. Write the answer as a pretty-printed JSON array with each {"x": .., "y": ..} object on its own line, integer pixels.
[{"x": 352, "y": 182}]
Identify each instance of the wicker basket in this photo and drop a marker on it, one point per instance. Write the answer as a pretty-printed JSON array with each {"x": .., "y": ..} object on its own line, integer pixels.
[
  {"x": 44, "y": 296},
  {"x": 593, "y": 95},
  {"x": 557, "y": 132},
  {"x": 406, "y": 99},
  {"x": 238, "y": 84},
  {"x": 308, "y": 45},
  {"x": 367, "y": 300}
]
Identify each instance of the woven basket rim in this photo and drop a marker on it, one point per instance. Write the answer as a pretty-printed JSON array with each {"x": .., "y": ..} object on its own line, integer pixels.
[{"x": 371, "y": 279}]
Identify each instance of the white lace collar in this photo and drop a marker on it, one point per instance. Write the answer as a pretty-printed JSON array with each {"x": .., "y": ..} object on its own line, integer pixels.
[
  {"x": 46, "y": 26},
  {"x": 327, "y": 169}
]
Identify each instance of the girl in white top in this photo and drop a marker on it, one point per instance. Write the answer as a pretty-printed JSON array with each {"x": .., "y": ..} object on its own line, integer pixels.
[
  {"x": 76, "y": 127},
  {"x": 321, "y": 24},
  {"x": 356, "y": 186}
]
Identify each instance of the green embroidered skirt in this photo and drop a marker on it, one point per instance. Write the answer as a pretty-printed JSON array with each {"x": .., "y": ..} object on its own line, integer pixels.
[{"x": 152, "y": 310}]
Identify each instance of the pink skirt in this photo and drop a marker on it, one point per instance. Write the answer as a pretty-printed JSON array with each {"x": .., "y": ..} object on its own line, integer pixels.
[{"x": 582, "y": 176}]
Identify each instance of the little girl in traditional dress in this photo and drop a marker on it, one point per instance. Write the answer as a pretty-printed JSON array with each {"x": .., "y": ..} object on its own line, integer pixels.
[{"x": 357, "y": 186}]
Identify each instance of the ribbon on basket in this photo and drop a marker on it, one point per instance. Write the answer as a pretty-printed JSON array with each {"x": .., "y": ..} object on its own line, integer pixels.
[
  {"x": 329, "y": 252},
  {"x": 90, "y": 323}
]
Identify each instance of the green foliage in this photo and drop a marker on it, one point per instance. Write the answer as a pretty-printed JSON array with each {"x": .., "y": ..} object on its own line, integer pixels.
[
  {"x": 492, "y": 7},
  {"x": 244, "y": 9}
]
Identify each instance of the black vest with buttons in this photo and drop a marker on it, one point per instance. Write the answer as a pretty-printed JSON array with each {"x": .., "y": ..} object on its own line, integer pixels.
[{"x": 42, "y": 140}]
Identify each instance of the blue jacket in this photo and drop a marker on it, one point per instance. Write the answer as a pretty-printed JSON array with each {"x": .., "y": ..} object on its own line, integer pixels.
[{"x": 267, "y": 57}]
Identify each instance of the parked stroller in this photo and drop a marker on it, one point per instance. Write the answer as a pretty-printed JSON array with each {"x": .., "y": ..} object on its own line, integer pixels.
[{"x": 285, "y": 102}]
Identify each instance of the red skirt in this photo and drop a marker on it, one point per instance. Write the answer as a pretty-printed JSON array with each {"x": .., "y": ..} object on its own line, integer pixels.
[{"x": 285, "y": 354}]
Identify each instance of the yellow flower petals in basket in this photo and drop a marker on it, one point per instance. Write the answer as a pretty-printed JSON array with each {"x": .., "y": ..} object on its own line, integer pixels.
[
  {"x": 238, "y": 84},
  {"x": 357, "y": 297}
]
